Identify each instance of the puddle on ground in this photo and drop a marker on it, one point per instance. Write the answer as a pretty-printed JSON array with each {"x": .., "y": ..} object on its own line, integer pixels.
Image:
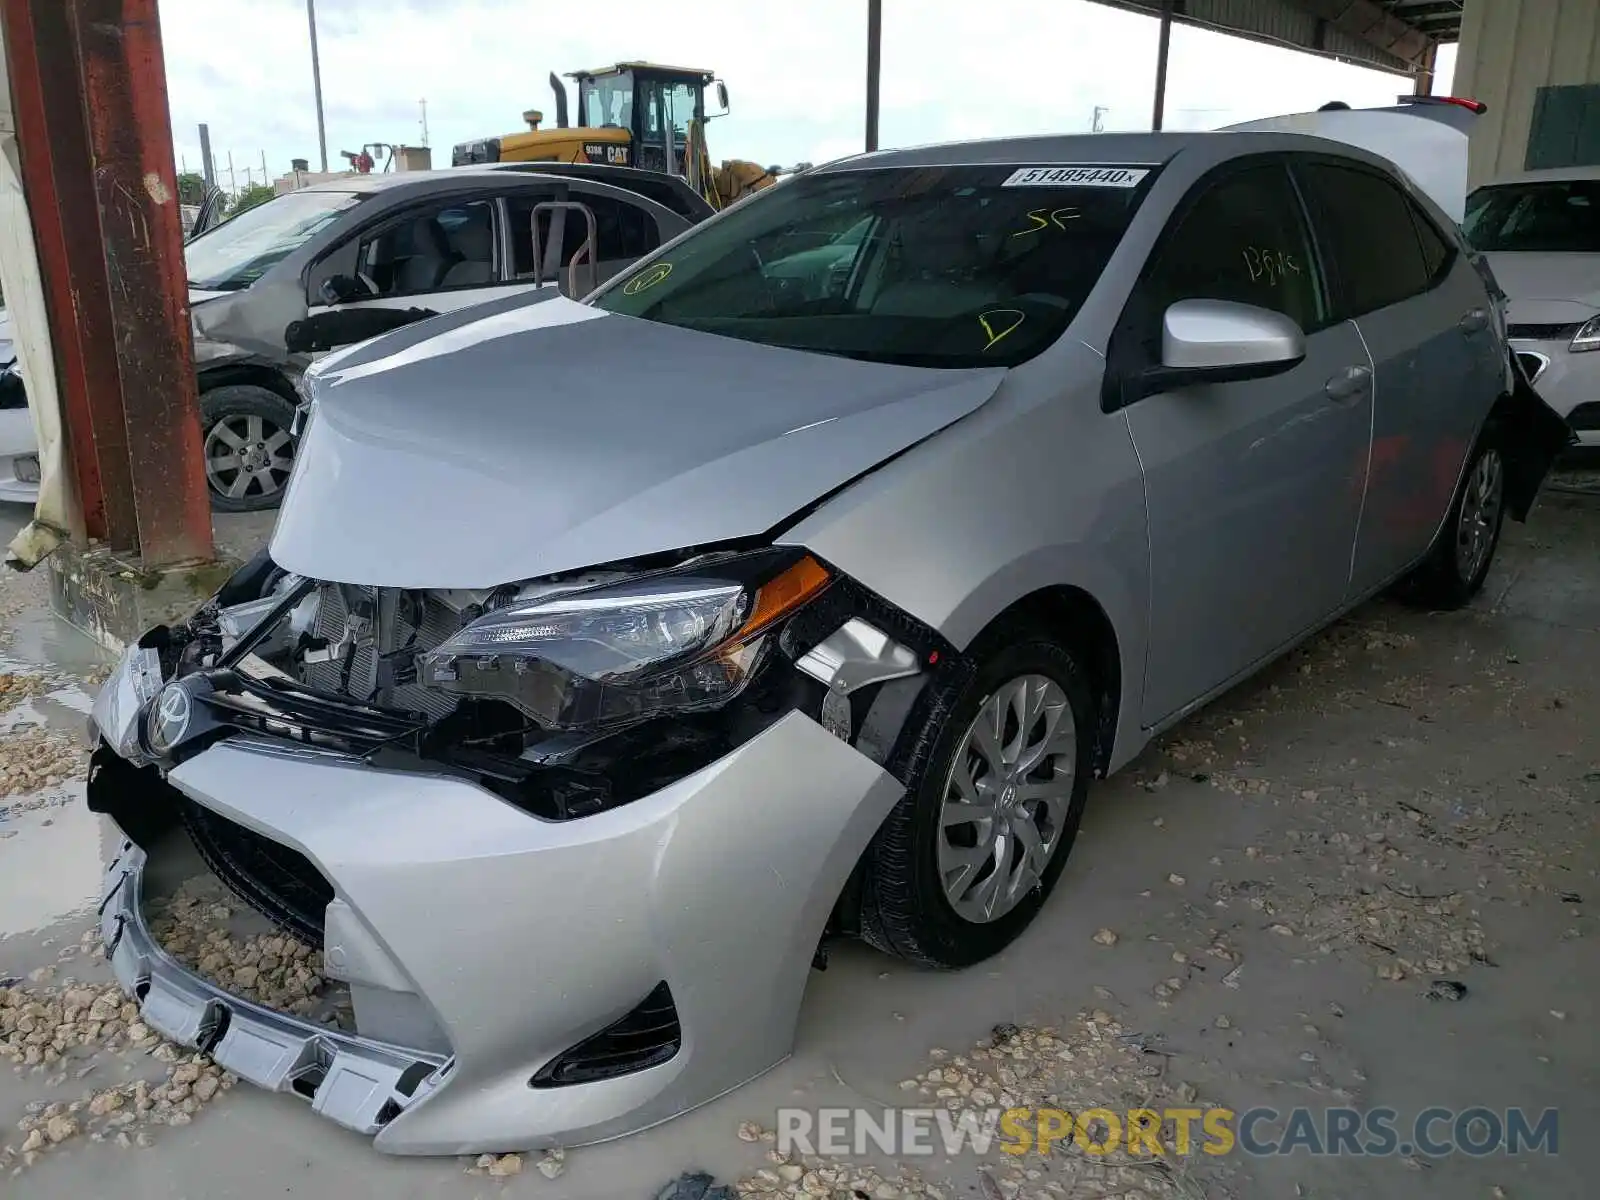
[{"x": 51, "y": 859}]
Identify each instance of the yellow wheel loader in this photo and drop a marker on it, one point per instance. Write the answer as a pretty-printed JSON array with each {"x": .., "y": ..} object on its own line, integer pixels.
[{"x": 632, "y": 114}]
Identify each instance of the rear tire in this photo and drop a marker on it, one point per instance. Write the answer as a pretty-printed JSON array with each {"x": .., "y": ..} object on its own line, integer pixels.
[
  {"x": 1456, "y": 567},
  {"x": 248, "y": 448},
  {"x": 938, "y": 860}
]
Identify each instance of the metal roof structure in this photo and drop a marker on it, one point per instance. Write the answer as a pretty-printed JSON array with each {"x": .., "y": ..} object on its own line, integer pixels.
[{"x": 1389, "y": 35}]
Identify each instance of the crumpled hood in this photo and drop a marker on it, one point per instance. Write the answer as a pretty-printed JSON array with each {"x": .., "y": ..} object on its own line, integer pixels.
[
  {"x": 525, "y": 437},
  {"x": 1531, "y": 278}
]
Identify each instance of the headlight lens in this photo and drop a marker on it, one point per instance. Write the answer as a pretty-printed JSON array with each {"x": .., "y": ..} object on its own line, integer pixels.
[
  {"x": 1587, "y": 337},
  {"x": 124, "y": 696},
  {"x": 626, "y": 652}
]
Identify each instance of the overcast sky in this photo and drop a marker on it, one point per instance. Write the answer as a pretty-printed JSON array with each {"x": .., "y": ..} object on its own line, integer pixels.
[{"x": 951, "y": 69}]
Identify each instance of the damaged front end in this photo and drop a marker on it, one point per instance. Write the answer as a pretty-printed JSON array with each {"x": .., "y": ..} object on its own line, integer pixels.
[{"x": 571, "y": 844}]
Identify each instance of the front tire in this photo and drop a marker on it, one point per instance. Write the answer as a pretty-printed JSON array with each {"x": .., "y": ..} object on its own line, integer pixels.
[
  {"x": 249, "y": 450},
  {"x": 966, "y": 859},
  {"x": 1454, "y": 571}
]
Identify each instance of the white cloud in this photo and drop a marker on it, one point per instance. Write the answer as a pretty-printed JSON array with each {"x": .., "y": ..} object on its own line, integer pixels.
[{"x": 951, "y": 69}]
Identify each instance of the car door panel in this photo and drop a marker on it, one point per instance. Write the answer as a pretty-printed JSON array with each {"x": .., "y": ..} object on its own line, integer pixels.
[
  {"x": 1425, "y": 318},
  {"x": 1428, "y": 406},
  {"x": 1254, "y": 491},
  {"x": 1253, "y": 488}
]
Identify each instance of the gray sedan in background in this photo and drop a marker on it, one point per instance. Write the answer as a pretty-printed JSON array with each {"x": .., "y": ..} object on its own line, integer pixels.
[{"x": 610, "y": 655}]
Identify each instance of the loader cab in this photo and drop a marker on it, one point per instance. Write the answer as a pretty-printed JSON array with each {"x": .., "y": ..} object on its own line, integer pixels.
[{"x": 640, "y": 113}]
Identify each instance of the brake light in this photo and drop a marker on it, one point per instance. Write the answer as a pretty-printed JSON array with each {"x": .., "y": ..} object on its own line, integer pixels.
[{"x": 1473, "y": 106}]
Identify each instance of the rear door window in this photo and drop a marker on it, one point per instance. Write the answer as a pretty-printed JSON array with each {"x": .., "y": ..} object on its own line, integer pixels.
[
  {"x": 1437, "y": 251},
  {"x": 623, "y": 231},
  {"x": 1369, "y": 237}
]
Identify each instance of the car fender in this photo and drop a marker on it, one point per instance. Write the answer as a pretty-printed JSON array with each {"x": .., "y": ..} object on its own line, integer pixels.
[{"x": 1033, "y": 491}]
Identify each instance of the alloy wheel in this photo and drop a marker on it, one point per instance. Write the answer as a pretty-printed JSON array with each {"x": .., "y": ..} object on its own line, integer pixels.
[
  {"x": 1006, "y": 798},
  {"x": 247, "y": 456},
  {"x": 1479, "y": 520}
]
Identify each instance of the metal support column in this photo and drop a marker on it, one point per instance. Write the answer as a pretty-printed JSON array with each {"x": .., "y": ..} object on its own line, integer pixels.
[
  {"x": 1423, "y": 81},
  {"x": 57, "y": 176},
  {"x": 874, "y": 68},
  {"x": 130, "y": 134},
  {"x": 1163, "y": 47}
]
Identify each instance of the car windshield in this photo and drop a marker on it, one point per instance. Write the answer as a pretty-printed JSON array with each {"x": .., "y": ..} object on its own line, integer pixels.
[
  {"x": 238, "y": 252},
  {"x": 1554, "y": 216},
  {"x": 930, "y": 266}
]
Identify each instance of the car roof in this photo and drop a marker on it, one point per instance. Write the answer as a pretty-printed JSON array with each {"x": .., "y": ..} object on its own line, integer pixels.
[
  {"x": 1426, "y": 142},
  {"x": 1059, "y": 149},
  {"x": 391, "y": 179}
]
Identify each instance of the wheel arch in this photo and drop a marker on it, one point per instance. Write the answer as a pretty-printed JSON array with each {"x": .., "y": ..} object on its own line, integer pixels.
[
  {"x": 260, "y": 374},
  {"x": 1089, "y": 635}
]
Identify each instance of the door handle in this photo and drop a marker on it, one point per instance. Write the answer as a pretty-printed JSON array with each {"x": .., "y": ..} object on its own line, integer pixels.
[
  {"x": 1349, "y": 385},
  {"x": 1475, "y": 321}
]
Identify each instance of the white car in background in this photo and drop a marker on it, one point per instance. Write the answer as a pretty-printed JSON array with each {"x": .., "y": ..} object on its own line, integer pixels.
[
  {"x": 1540, "y": 232},
  {"x": 19, "y": 448}
]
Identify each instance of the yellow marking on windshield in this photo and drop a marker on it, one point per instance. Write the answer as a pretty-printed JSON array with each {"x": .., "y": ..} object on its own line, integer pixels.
[
  {"x": 996, "y": 330},
  {"x": 647, "y": 279},
  {"x": 1043, "y": 218}
]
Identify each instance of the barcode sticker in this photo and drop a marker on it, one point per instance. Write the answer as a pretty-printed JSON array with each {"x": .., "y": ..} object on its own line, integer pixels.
[{"x": 1082, "y": 176}]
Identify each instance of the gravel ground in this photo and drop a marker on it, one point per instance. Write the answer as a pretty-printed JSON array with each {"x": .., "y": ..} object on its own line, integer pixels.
[{"x": 1364, "y": 878}]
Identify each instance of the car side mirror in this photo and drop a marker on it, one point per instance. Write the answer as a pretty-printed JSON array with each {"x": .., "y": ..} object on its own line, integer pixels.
[
  {"x": 1220, "y": 341},
  {"x": 341, "y": 289}
]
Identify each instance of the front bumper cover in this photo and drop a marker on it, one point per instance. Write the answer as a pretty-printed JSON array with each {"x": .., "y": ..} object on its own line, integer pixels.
[
  {"x": 355, "y": 1082},
  {"x": 519, "y": 937}
]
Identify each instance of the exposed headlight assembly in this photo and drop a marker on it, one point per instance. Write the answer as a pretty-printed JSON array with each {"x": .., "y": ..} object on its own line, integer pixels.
[
  {"x": 609, "y": 656},
  {"x": 1587, "y": 337}
]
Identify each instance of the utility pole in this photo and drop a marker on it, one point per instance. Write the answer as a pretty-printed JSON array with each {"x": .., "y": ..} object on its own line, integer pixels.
[
  {"x": 424, "y": 105},
  {"x": 207, "y": 164},
  {"x": 874, "y": 68},
  {"x": 233, "y": 181},
  {"x": 316, "y": 83},
  {"x": 264, "y": 178}
]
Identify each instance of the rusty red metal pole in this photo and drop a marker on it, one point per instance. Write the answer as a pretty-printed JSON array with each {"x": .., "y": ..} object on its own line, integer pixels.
[
  {"x": 57, "y": 177},
  {"x": 135, "y": 184}
]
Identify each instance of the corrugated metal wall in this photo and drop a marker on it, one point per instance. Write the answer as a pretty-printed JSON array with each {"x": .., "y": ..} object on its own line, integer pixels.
[
  {"x": 1509, "y": 50},
  {"x": 1279, "y": 22}
]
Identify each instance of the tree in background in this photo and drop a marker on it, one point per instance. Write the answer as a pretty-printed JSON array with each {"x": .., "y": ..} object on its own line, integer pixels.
[
  {"x": 256, "y": 193},
  {"x": 191, "y": 187}
]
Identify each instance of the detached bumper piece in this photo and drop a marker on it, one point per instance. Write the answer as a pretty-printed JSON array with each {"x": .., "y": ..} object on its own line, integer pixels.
[{"x": 359, "y": 1084}]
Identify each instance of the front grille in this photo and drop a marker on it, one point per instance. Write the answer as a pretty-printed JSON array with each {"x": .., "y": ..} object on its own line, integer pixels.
[
  {"x": 646, "y": 1037},
  {"x": 1544, "y": 333},
  {"x": 405, "y": 624},
  {"x": 276, "y": 881}
]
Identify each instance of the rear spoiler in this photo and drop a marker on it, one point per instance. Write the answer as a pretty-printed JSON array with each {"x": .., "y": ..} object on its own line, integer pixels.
[{"x": 1455, "y": 111}]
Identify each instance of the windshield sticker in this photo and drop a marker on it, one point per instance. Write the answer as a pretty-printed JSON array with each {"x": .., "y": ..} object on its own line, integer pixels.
[
  {"x": 1084, "y": 176},
  {"x": 998, "y": 322},
  {"x": 647, "y": 279},
  {"x": 1044, "y": 218}
]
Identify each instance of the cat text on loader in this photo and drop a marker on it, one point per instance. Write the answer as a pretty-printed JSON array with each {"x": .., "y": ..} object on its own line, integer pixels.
[{"x": 633, "y": 114}]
